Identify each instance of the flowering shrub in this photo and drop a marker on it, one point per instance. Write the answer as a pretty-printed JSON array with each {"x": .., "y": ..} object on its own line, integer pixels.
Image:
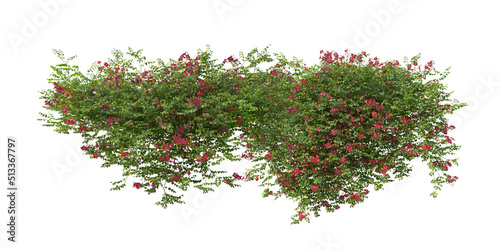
[{"x": 320, "y": 135}]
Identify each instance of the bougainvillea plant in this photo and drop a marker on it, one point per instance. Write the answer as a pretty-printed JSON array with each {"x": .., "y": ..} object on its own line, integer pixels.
[{"x": 322, "y": 135}]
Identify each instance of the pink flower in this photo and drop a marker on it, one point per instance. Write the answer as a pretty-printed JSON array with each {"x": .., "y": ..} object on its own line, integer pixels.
[
  {"x": 314, "y": 188},
  {"x": 137, "y": 185},
  {"x": 124, "y": 154}
]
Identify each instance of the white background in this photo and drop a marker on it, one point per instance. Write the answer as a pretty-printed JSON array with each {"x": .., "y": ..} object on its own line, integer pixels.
[{"x": 74, "y": 209}]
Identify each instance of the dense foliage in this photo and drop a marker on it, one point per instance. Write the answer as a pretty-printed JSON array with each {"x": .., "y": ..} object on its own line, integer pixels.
[{"x": 320, "y": 135}]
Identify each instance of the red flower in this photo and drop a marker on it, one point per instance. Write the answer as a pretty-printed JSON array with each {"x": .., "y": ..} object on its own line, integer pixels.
[
  {"x": 370, "y": 102},
  {"x": 355, "y": 196},
  {"x": 106, "y": 64},
  {"x": 137, "y": 185},
  {"x": 257, "y": 178},
  {"x": 267, "y": 156},
  {"x": 342, "y": 160},
  {"x": 296, "y": 172},
  {"x": 202, "y": 83},
  {"x": 124, "y": 154},
  {"x": 153, "y": 185},
  {"x": 315, "y": 160},
  {"x": 70, "y": 122},
  {"x": 335, "y": 132},
  {"x": 96, "y": 155},
  {"x": 306, "y": 118},
  {"x": 64, "y": 110},
  {"x": 374, "y": 114},
  {"x": 426, "y": 147},
  {"x": 366, "y": 191},
  {"x": 383, "y": 171},
  {"x": 167, "y": 146},
  {"x": 290, "y": 96},
  {"x": 349, "y": 148},
  {"x": 301, "y": 217},
  {"x": 405, "y": 120},
  {"x": 293, "y": 109},
  {"x": 314, "y": 188},
  {"x": 176, "y": 178}
]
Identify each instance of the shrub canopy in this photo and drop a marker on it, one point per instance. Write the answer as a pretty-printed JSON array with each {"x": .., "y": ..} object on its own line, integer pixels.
[{"x": 321, "y": 135}]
